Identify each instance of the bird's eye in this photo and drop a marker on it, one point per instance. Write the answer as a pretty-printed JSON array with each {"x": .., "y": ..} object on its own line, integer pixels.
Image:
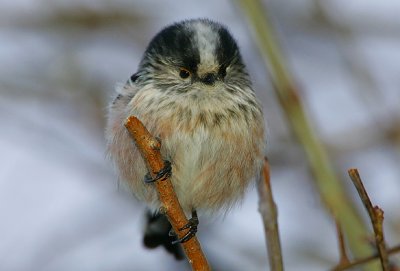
[
  {"x": 184, "y": 73},
  {"x": 134, "y": 77}
]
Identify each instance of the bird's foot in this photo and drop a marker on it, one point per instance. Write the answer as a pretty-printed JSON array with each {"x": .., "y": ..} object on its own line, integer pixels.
[
  {"x": 163, "y": 174},
  {"x": 191, "y": 225}
]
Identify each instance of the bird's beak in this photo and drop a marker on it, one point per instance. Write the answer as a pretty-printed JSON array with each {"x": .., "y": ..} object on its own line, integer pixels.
[{"x": 209, "y": 78}]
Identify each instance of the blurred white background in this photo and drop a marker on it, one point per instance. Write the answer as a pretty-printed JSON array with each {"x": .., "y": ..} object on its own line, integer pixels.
[{"x": 61, "y": 207}]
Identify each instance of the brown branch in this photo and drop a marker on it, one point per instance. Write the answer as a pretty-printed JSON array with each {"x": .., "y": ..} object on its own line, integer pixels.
[
  {"x": 149, "y": 147},
  {"x": 376, "y": 216},
  {"x": 268, "y": 211},
  {"x": 390, "y": 251}
]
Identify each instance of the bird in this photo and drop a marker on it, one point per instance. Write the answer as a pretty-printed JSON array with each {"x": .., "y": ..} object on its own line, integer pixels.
[{"x": 193, "y": 92}]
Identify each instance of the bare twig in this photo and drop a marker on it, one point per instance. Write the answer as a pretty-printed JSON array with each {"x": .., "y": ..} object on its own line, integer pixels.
[
  {"x": 149, "y": 147},
  {"x": 376, "y": 216},
  {"x": 269, "y": 215},
  {"x": 344, "y": 259},
  {"x": 354, "y": 263}
]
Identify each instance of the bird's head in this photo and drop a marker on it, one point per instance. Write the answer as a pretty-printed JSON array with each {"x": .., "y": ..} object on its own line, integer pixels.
[{"x": 193, "y": 55}]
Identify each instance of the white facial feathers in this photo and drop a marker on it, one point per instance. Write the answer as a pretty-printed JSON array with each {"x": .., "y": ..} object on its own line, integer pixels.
[{"x": 207, "y": 40}]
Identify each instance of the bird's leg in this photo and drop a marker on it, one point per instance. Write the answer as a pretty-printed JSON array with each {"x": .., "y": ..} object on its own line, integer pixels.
[
  {"x": 163, "y": 174},
  {"x": 191, "y": 225}
]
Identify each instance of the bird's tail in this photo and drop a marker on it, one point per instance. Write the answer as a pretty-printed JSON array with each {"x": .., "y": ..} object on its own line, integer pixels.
[{"x": 157, "y": 234}]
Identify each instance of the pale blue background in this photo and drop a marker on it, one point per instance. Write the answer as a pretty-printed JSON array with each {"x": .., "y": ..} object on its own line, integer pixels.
[{"x": 61, "y": 207}]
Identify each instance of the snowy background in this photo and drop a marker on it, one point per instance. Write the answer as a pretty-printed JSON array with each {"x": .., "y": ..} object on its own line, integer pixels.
[{"x": 61, "y": 207}]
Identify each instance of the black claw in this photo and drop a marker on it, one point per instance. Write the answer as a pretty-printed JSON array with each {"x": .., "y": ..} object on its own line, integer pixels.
[
  {"x": 189, "y": 235},
  {"x": 163, "y": 174},
  {"x": 191, "y": 225}
]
